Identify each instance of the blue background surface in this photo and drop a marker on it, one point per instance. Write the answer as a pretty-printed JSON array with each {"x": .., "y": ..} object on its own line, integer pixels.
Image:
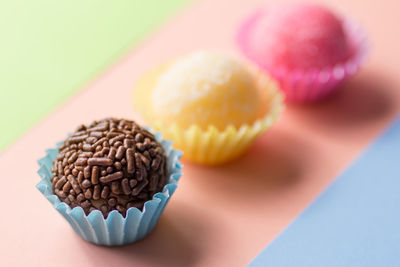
[{"x": 355, "y": 222}]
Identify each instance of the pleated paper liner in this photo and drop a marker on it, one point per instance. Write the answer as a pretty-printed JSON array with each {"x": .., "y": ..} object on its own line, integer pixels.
[
  {"x": 116, "y": 229},
  {"x": 305, "y": 86},
  {"x": 212, "y": 146}
]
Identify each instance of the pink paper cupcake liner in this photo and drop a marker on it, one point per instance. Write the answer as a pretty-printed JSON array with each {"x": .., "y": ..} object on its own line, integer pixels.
[{"x": 304, "y": 86}]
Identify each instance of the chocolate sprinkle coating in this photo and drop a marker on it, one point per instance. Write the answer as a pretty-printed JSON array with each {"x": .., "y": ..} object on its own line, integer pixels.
[{"x": 112, "y": 164}]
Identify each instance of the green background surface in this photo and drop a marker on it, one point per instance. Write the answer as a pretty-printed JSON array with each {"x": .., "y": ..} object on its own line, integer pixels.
[{"x": 50, "y": 49}]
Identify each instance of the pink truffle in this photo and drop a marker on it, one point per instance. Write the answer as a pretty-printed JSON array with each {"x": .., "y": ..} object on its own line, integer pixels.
[{"x": 300, "y": 36}]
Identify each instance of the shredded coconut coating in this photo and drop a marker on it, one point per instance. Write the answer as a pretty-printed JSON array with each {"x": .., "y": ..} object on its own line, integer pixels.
[{"x": 206, "y": 89}]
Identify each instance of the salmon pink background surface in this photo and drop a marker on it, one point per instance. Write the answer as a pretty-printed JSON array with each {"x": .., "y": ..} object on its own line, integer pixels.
[{"x": 220, "y": 216}]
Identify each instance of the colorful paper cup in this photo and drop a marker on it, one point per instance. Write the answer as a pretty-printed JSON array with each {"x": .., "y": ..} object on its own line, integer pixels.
[
  {"x": 311, "y": 85},
  {"x": 116, "y": 229},
  {"x": 212, "y": 146}
]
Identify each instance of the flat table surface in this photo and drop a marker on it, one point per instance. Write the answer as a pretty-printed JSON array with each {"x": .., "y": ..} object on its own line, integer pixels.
[{"x": 219, "y": 216}]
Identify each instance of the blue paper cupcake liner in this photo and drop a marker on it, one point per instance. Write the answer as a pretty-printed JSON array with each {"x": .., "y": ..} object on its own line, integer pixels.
[{"x": 116, "y": 229}]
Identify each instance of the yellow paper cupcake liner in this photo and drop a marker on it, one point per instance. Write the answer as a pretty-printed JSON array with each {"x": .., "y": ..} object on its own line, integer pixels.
[{"x": 212, "y": 146}]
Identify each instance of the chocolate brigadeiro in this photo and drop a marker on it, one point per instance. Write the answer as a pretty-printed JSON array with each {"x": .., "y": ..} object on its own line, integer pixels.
[{"x": 112, "y": 164}]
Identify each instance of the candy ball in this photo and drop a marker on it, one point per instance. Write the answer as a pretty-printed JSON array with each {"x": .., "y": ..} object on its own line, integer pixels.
[
  {"x": 112, "y": 164},
  {"x": 205, "y": 89},
  {"x": 299, "y": 36}
]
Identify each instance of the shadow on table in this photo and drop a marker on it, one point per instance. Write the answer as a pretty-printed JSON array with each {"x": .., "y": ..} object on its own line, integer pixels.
[
  {"x": 277, "y": 161},
  {"x": 361, "y": 101},
  {"x": 268, "y": 168},
  {"x": 167, "y": 245}
]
